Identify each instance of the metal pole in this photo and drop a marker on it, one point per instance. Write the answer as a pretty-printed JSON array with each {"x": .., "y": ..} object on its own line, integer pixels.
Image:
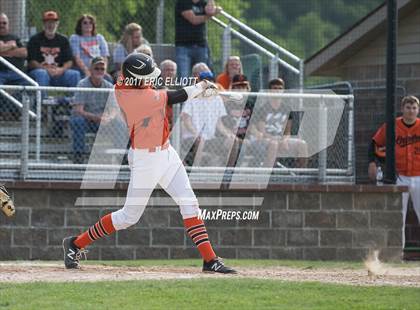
[
  {"x": 24, "y": 155},
  {"x": 16, "y": 102},
  {"x": 160, "y": 14},
  {"x": 256, "y": 46},
  {"x": 226, "y": 43},
  {"x": 350, "y": 145},
  {"x": 38, "y": 126},
  {"x": 111, "y": 90},
  {"x": 274, "y": 68},
  {"x": 323, "y": 132},
  {"x": 301, "y": 74},
  {"x": 23, "y": 28},
  {"x": 18, "y": 72},
  {"x": 391, "y": 74},
  {"x": 260, "y": 36}
]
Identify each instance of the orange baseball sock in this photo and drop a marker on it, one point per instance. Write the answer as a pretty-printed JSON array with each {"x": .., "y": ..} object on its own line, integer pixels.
[
  {"x": 197, "y": 231},
  {"x": 102, "y": 228}
]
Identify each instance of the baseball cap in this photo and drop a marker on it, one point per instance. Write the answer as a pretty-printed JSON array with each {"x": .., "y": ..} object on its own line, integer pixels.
[
  {"x": 206, "y": 75},
  {"x": 97, "y": 60},
  {"x": 240, "y": 79},
  {"x": 50, "y": 15}
]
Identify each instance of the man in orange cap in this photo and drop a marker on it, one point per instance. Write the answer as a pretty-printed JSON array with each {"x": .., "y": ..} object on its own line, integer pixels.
[{"x": 50, "y": 56}]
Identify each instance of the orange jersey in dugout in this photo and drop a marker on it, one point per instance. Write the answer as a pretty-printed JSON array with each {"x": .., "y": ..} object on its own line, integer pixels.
[
  {"x": 146, "y": 115},
  {"x": 407, "y": 146}
]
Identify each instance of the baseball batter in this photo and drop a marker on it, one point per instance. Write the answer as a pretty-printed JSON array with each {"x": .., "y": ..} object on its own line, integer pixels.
[
  {"x": 152, "y": 161},
  {"x": 407, "y": 151}
]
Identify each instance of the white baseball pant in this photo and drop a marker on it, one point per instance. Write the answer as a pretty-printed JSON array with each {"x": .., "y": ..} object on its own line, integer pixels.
[
  {"x": 163, "y": 167},
  {"x": 413, "y": 184}
]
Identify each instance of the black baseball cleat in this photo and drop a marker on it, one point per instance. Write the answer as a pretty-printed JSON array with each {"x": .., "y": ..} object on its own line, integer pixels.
[
  {"x": 217, "y": 265},
  {"x": 72, "y": 253}
]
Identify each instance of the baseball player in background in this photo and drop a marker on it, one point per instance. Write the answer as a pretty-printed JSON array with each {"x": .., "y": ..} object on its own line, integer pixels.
[
  {"x": 407, "y": 152},
  {"x": 152, "y": 161}
]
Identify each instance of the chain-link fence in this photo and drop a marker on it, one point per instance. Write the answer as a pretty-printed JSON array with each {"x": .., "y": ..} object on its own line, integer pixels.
[
  {"x": 304, "y": 136},
  {"x": 234, "y": 135}
]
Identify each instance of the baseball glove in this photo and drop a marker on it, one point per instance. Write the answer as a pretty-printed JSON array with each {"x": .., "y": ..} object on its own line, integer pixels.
[{"x": 6, "y": 203}]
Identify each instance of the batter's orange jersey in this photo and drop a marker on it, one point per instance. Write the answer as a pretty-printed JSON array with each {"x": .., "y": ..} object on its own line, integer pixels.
[
  {"x": 146, "y": 114},
  {"x": 407, "y": 146}
]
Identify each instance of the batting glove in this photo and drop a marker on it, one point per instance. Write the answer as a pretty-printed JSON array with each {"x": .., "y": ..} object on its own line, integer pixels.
[{"x": 6, "y": 203}]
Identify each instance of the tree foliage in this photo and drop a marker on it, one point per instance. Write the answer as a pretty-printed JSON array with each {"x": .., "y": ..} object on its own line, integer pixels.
[
  {"x": 301, "y": 26},
  {"x": 305, "y": 26}
]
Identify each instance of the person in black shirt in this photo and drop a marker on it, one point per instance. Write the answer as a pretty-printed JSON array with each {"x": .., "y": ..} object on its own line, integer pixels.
[
  {"x": 237, "y": 120},
  {"x": 190, "y": 33},
  {"x": 50, "y": 56},
  {"x": 274, "y": 129},
  {"x": 13, "y": 51}
]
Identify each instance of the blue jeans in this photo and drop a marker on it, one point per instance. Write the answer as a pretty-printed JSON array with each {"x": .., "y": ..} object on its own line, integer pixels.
[
  {"x": 12, "y": 78},
  {"x": 80, "y": 126},
  {"x": 187, "y": 56},
  {"x": 69, "y": 78}
]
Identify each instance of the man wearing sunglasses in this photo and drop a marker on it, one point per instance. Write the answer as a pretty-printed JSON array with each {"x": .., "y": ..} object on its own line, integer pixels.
[
  {"x": 13, "y": 51},
  {"x": 89, "y": 107}
]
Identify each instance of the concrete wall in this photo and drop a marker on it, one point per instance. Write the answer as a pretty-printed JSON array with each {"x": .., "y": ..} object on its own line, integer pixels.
[{"x": 296, "y": 222}]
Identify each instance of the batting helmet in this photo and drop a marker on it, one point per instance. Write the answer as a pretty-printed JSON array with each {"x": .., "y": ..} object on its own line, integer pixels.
[{"x": 140, "y": 66}]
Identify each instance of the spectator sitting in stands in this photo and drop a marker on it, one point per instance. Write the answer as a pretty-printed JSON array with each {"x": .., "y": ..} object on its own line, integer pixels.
[
  {"x": 168, "y": 74},
  {"x": 200, "y": 118},
  {"x": 13, "y": 51},
  {"x": 190, "y": 33},
  {"x": 274, "y": 126},
  {"x": 89, "y": 107},
  {"x": 238, "y": 118},
  {"x": 145, "y": 49},
  {"x": 233, "y": 67},
  {"x": 50, "y": 56},
  {"x": 131, "y": 39},
  {"x": 168, "y": 69},
  {"x": 86, "y": 44},
  {"x": 276, "y": 84}
]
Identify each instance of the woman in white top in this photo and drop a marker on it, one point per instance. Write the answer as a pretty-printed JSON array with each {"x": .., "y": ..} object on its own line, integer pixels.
[{"x": 131, "y": 39}]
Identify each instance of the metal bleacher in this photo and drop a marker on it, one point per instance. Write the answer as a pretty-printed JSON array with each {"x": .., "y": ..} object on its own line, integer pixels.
[{"x": 55, "y": 144}]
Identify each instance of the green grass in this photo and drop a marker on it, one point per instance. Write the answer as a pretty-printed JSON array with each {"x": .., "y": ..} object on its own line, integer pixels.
[
  {"x": 204, "y": 294},
  {"x": 213, "y": 293}
]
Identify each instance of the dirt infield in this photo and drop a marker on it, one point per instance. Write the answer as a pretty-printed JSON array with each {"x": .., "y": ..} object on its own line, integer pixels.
[{"x": 21, "y": 272}]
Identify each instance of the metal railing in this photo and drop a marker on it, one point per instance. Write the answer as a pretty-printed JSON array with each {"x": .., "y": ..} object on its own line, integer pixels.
[
  {"x": 297, "y": 66},
  {"x": 344, "y": 86},
  {"x": 38, "y": 99},
  {"x": 29, "y": 169}
]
